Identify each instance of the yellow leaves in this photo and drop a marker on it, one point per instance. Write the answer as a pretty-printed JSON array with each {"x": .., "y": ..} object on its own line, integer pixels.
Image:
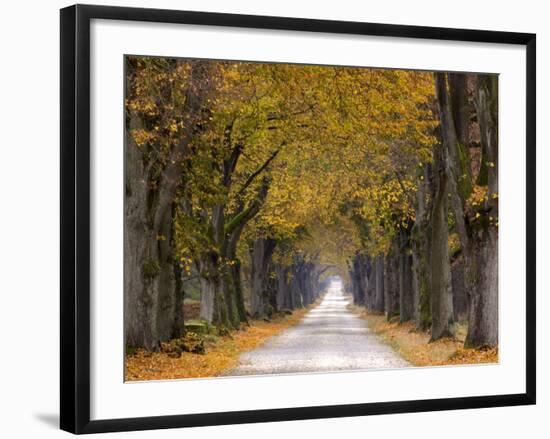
[
  {"x": 478, "y": 196},
  {"x": 414, "y": 345},
  {"x": 221, "y": 354},
  {"x": 345, "y": 131},
  {"x": 142, "y": 137},
  {"x": 143, "y": 106}
]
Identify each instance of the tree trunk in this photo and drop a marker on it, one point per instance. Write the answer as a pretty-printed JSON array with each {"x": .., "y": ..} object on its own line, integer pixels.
[
  {"x": 406, "y": 295},
  {"x": 391, "y": 284},
  {"x": 150, "y": 302},
  {"x": 483, "y": 319},
  {"x": 309, "y": 284},
  {"x": 139, "y": 297},
  {"x": 178, "y": 326},
  {"x": 460, "y": 296},
  {"x": 441, "y": 293},
  {"x": 261, "y": 252},
  {"x": 284, "y": 300},
  {"x": 421, "y": 248},
  {"x": 295, "y": 284},
  {"x": 238, "y": 290},
  {"x": 479, "y": 241},
  {"x": 230, "y": 293},
  {"x": 213, "y": 306},
  {"x": 379, "y": 284},
  {"x": 359, "y": 279},
  {"x": 370, "y": 273},
  {"x": 149, "y": 280}
]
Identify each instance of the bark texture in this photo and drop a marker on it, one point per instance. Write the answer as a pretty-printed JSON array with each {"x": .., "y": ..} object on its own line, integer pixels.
[
  {"x": 478, "y": 235},
  {"x": 260, "y": 255},
  {"x": 483, "y": 320},
  {"x": 150, "y": 301},
  {"x": 441, "y": 293}
]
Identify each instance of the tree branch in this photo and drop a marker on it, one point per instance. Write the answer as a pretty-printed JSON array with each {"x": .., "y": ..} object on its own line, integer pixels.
[
  {"x": 252, "y": 176},
  {"x": 230, "y": 164},
  {"x": 251, "y": 211}
]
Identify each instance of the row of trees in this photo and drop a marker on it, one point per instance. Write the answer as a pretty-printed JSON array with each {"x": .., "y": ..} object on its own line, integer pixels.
[
  {"x": 263, "y": 179},
  {"x": 441, "y": 263}
]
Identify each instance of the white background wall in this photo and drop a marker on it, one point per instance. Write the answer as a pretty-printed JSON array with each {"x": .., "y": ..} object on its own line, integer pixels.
[{"x": 29, "y": 200}]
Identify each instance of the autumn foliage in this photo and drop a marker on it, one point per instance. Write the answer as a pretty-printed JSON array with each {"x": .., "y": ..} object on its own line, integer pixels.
[
  {"x": 219, "y": 356},
  {"x": 247, "y": 185}
]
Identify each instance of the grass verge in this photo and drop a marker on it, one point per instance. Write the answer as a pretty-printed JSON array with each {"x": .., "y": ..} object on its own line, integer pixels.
[
  {"x": 222, "y": 353},
  {"x": 414, "y": 346}
]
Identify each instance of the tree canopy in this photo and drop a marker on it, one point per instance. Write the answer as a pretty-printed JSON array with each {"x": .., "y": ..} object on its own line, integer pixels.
[{"x": 269, "y": 168}]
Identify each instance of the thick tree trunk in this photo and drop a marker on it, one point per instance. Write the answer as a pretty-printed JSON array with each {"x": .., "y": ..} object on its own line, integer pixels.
[
  {"x": 406, "y": 293},
  {"x": 222, "y": 301},
  {"x": 460, "y": 296},
  {"x": 166, "y": 309},
  {"x": 483, "y": 320},
  {"x": 460, "y": 107},
  {"x": 296, "y": 292},
  {"x": 483, "y": 316},
  {"x": 305, "y": 284},
  {"x": 391, "y": 284},
  {"x": 422, "y": 280},
  {"x": 260, "y": 254},
  {"x": 454, "y": 113},
  {"x": 479, "y": 241},
  {"x": 284, "y": 300},
  {"x": 235, "y": 271},
  {"x": 370, "y": 274},
  {"x": 421, "y": 248},
  {"x": 151, "y": 311},
  {"x": 230, "y": 284},
  {"x": 149, "y": 280},
  {"x": 138, "y": 320},
  {"x": 309, "y": 284},
  {"x": 213, "y": 306},
  {"x": 359, "y": 278},
  {"x": 441, "y": 293},
  {"x": 178, "y": 324},
  {"x": 379, "y": 283}
]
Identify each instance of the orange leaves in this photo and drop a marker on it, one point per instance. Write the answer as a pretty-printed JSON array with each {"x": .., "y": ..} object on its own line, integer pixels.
[
  {"x": 414, "y": 345},
  {"x": 342, "y": 132},
  {"x": 478, "y": 207},
  {"x": 222, "y": 353},
  {"x": 142, "y": 137},
  {"x": 474, "y": 356}
]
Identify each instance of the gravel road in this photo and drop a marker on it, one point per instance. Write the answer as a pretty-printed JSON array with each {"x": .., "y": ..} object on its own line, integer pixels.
[{"x": 329, "y": 338}]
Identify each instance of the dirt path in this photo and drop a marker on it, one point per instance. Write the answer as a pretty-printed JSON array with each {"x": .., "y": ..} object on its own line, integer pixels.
[{"x": 329, "y": 338}]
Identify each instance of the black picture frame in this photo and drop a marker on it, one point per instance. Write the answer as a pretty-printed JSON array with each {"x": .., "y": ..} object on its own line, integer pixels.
[{"x": 75, "y": 217}]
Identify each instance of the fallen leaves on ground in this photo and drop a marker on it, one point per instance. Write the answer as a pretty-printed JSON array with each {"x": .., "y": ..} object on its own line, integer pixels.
[
  {"x": 221, "y": 354},
  {"x": 414, "y": 346}
]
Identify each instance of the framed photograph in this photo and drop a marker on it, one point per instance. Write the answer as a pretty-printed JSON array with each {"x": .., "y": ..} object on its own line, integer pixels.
[{"x": 268, "y": 219}]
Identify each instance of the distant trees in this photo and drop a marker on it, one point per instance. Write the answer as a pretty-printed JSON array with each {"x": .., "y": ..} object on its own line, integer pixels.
[{"x": 262, "y": 179}]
